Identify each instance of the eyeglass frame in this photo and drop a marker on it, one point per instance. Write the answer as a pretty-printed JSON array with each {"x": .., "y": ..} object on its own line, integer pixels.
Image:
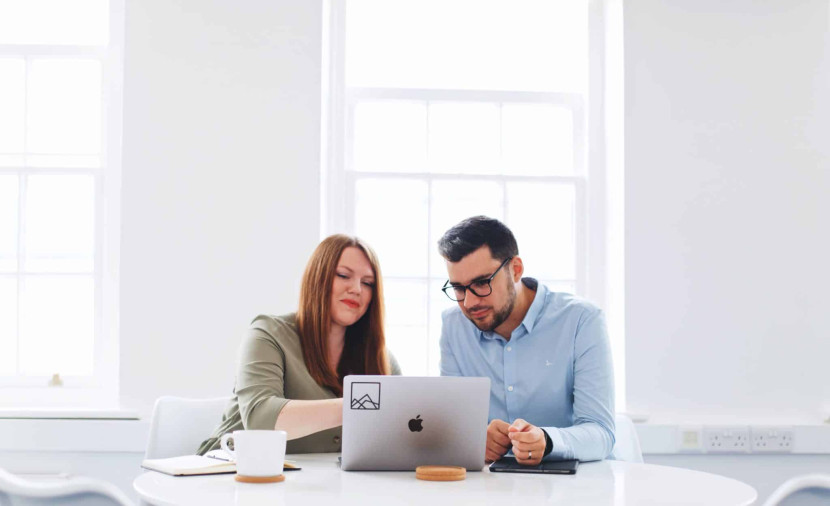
[{"x": 469, "y": 287}]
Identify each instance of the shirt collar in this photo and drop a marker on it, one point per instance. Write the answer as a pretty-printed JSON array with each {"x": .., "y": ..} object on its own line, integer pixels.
[
  {"x": 535, "y": 308},
  {"x": 533, "y": 311}
]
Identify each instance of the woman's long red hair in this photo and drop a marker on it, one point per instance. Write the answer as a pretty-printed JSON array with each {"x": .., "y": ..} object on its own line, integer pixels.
[{"x": 364, "y": 351}]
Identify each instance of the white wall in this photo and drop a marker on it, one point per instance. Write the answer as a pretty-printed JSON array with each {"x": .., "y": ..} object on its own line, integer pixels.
[
  {"x": 727, "y": 165},
  {"x": 220, "y": 183},
  {"x": 727, "y": 119}
]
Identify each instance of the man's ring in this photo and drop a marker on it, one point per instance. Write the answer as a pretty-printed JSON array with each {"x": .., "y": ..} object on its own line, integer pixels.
[{"x": 529, "y": 454}]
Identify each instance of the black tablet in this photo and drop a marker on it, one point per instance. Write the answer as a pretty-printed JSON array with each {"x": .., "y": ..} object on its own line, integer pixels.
[{"x": 509, "y": 465}]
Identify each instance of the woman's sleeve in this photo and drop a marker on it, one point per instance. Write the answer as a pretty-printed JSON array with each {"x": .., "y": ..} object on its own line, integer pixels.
[{"x": 260, "y": 381}]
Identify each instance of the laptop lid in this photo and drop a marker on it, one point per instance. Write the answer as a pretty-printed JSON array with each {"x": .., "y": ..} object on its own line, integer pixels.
[{"x": 397, "y": 423}]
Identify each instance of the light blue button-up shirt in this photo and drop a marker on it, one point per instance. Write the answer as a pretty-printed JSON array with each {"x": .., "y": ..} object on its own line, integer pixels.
[{"x": 555, "y": 371}]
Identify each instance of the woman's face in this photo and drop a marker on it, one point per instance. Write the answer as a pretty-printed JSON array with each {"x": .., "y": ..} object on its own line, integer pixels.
[{"x": 353, "y": 286}]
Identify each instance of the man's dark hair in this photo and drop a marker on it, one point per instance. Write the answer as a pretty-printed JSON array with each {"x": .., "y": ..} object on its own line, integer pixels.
[{"x": 475, "y": 232}]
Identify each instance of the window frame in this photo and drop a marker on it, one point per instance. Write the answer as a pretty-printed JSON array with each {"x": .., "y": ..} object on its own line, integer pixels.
[
  {"x": 100, "y": 389},
  {"x": 589, "y": 176}
]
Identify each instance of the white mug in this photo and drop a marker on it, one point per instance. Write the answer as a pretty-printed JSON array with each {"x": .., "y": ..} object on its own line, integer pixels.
[{"x": 257, "y": 452}]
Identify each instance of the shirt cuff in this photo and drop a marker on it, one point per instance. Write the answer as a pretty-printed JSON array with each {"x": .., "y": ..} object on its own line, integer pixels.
[
  {"x": 548, "y": 443},
  {"x": 559, "y": 450},
  {"x": 263, "y": 416}
]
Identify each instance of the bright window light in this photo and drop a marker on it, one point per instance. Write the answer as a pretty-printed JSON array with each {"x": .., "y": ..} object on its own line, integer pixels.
[
  {"x": 54, "y": 22},
  {"x": 525, "y": 45},
  {"x": 453, "y": 109},
  {"x": 60, "y": 101}
]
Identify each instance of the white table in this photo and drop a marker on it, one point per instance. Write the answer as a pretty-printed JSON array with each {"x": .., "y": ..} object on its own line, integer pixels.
[{"x": 321, "y": 482}]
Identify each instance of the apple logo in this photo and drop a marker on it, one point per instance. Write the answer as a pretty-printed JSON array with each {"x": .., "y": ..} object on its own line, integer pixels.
[{"x": 415, "y": 424}]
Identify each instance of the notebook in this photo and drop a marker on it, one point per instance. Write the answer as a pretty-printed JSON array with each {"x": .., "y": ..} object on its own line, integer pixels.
[
  {"x": 189, "y": 465},
  {"x": 213, "y": 462}
]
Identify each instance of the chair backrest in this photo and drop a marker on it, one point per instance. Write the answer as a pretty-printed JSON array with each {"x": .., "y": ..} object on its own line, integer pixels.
[
  {"x": 60, "y": 491},
  {"x": 180, "y": 425},
  {"x": 802, "y": 490},
  {"x": 627, "y": 447}
]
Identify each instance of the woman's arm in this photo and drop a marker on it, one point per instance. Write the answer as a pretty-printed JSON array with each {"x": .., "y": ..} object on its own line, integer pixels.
[{"x": 301, "y": 418}]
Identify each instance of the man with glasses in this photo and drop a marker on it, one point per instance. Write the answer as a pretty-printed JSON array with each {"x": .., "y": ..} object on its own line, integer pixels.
[{"x": 546, "y": 353}]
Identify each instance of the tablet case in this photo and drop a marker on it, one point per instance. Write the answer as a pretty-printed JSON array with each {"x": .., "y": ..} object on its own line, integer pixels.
[{"x": 509, "y": 465}]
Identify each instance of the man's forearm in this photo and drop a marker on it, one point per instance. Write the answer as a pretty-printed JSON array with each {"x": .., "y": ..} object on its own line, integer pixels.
[{"x": 585, "y": 442}]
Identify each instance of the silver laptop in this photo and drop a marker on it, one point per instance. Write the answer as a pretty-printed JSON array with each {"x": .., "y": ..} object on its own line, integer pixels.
[{"x": 397, "y": 423}]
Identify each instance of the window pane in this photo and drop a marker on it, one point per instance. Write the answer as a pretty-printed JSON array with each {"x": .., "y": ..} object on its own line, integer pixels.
[
  {"x": 57, "y": 325},
  {"x": 8, "y": 223},
  {"x": 537, "y": 139},
  {"x": 64, "y": 107},
  {"x": 409, "y": 345},
  {"x": 392, "y": 217},
  {"x": 560, "y": 286},
  {"x": 390, "y": 136},
  {"x": 12, "y": 104},
  {"x": 464, "y": 138},
  {"x": 523, "y": 45},
  {"x": 453, "y": 201},
  {"x": 8, "y": 325},
  {"x": 406, "y": 301},
  {"x": 60, "y": 224},
  {"x": 542, "y": 218},
  {"x": 77, "y": 22}
]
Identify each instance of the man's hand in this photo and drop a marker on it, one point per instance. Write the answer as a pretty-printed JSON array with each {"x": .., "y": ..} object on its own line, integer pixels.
[
  {"x": 497, "y": 441},
  {"x": 528, "y": 442}
]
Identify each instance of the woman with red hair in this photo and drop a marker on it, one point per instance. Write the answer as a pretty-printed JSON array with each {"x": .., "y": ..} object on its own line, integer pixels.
[{"x": 291, "y": 367}]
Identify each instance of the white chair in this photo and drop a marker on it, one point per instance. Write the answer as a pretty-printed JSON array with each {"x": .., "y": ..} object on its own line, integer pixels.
[
  {"x": 59, "y": 491},
  {"x": 810, "y": 489},
  {"x": 627, "y": 447},
  {"x": 180, "y": 425}
]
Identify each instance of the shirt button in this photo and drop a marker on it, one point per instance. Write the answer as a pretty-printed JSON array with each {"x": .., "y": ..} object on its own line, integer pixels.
[
  {"x": 510, "y": 388},
  {"x": 336, "y": 439},
  {"x": 509, "y": 348}
]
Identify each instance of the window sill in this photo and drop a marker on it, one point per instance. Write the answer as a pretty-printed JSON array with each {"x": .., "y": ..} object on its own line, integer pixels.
[
  {"x": 68, "y": 398},
  {"x": 67, "y": 414},
  {"x": 81, "y": 433}
]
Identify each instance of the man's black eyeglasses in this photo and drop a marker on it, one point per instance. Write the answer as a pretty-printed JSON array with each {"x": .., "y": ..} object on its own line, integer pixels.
[{"x": 479, "y": 287}]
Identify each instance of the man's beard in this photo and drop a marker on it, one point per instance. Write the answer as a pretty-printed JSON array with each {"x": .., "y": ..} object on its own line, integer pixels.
[{"x": 502, "y": 314}]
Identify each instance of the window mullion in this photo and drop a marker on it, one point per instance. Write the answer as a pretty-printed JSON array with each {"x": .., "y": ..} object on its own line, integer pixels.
[
  {"x": 368, "y": 93},
  {"x": 429, "y": 268},
  {"x": 21, "y": 255}
]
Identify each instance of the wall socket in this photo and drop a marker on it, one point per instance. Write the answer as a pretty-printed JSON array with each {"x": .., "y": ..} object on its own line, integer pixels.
[
  {"x": 727, "y": 439},
  {"x": 772, "y": 439},
  {"x": 690, "y": 439}
]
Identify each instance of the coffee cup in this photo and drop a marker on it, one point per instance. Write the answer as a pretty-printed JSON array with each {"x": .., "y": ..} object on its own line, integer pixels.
[{"x": 258, "y": 453}]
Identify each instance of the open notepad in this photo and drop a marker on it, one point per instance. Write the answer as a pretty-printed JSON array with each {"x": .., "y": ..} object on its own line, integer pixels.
[{"x": 213, "y": 462}]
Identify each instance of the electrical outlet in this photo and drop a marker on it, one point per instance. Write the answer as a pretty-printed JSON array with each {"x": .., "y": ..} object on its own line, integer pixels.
[
  {"x": 690, "y": 439},
  {"x": 772, "y": 439},
  {"x": 726, "y": 439}
]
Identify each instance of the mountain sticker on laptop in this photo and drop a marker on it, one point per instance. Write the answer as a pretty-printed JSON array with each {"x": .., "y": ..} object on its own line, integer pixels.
[{"x": 365, "y": 395}]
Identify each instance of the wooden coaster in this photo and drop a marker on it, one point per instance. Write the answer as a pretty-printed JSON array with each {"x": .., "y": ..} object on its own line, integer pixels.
[
  {"x": 440, "y": 473},
  {"x": 260, "y": 479}
]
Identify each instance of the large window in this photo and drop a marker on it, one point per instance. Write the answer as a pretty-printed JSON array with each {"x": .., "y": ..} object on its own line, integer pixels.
[
  {"x": 59, "y": 160},
  {"x": 443, "y": 110}
]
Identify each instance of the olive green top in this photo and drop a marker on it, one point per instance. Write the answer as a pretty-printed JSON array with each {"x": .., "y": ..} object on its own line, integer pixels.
[{"x": 271, "y": 372}]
